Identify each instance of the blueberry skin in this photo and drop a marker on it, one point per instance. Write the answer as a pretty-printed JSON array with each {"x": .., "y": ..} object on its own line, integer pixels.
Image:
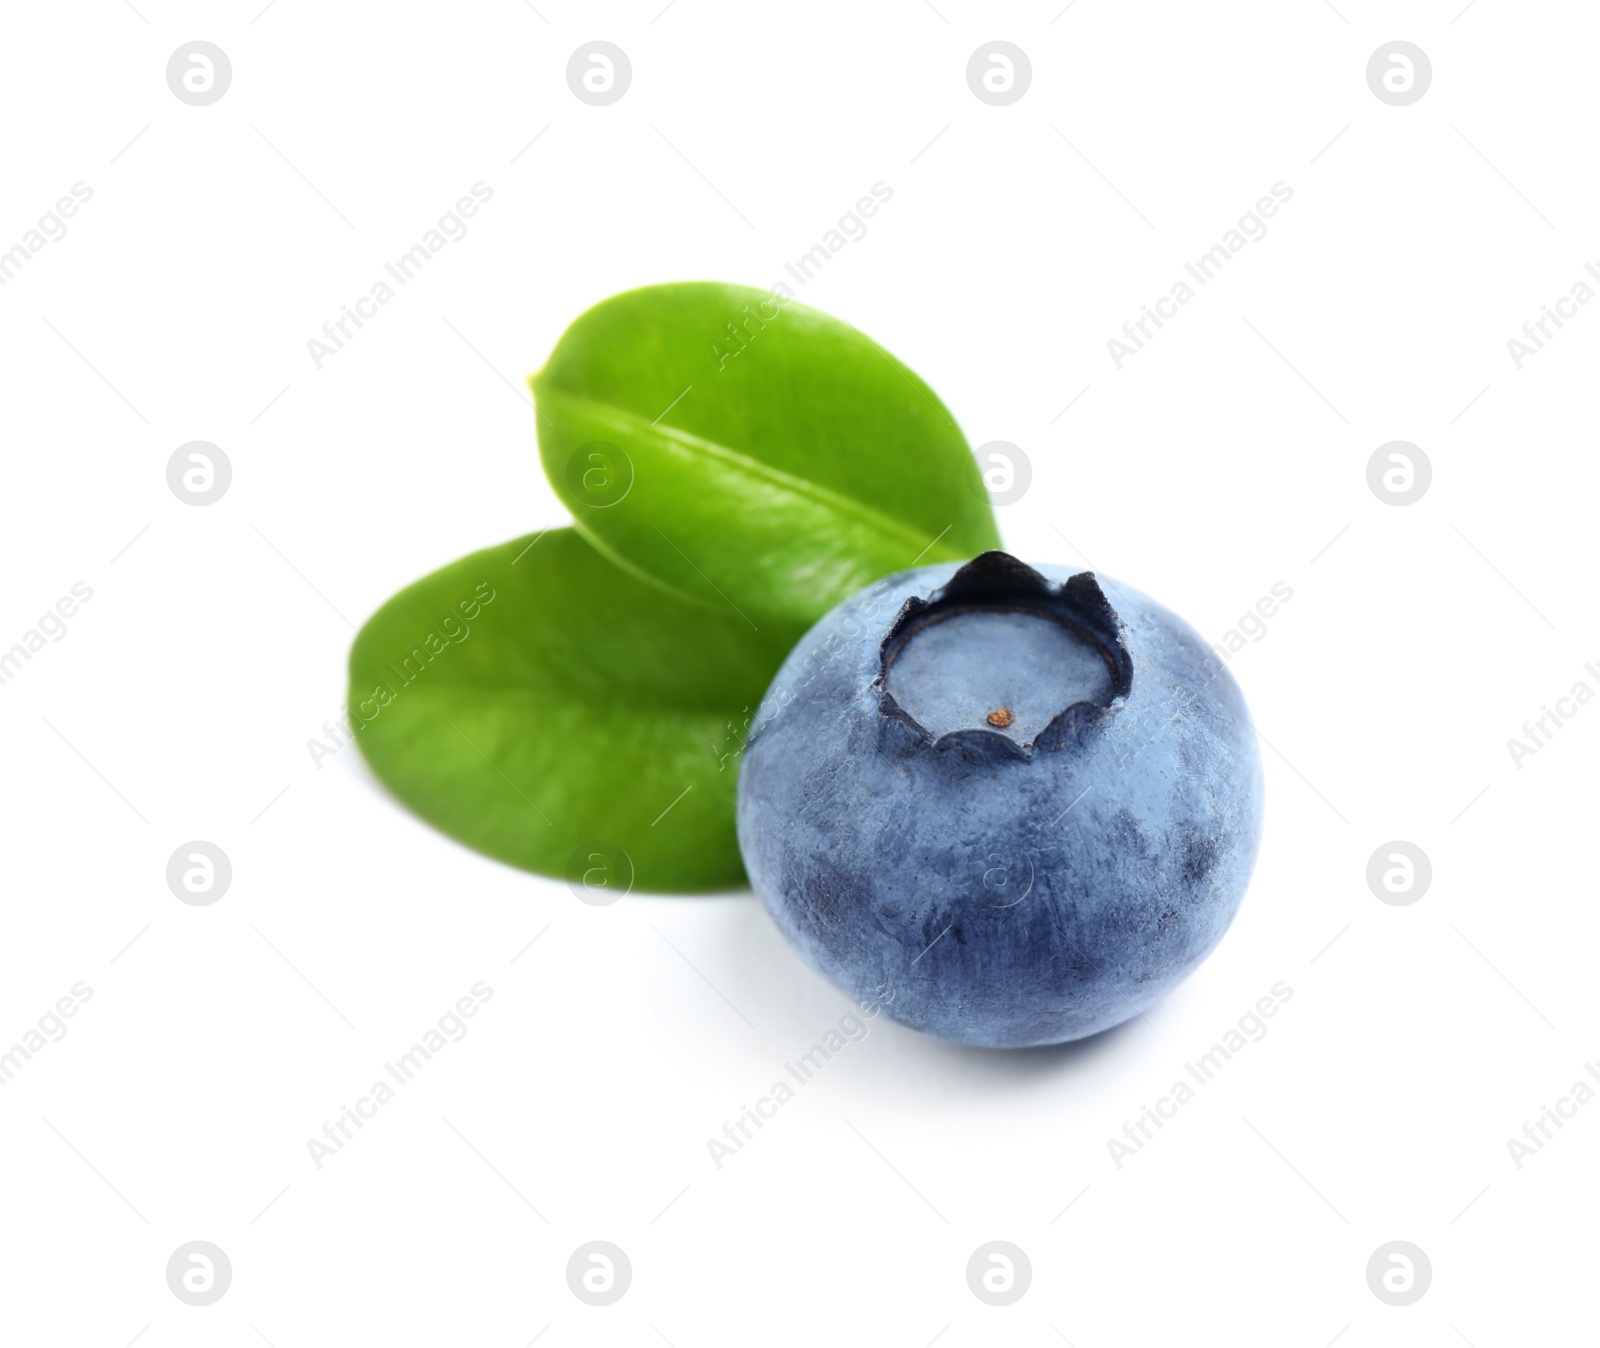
[{"x": 976, "y": 886}]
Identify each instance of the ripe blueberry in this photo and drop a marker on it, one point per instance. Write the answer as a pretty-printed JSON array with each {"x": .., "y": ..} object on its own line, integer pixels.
[{"x": 1004, "y": 808}]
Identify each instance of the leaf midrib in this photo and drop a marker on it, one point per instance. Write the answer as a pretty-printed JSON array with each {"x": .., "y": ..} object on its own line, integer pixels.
[
  {"x": 874, "y": 519},
  {"x": 570, "y": 694}
]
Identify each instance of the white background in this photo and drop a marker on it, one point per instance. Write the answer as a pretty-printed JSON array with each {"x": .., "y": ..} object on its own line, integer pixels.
[{"x": 1228, "y": 455}]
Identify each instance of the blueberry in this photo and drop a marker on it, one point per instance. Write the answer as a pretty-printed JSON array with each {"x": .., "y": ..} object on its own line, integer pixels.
[{"x": 998, "y": 806}]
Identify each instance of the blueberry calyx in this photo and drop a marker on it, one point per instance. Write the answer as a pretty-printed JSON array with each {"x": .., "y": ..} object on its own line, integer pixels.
[{"x": 992, "y": 584}]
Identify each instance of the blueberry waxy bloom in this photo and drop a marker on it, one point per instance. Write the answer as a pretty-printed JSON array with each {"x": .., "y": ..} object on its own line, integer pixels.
[{"x": 1011, "y": 806}]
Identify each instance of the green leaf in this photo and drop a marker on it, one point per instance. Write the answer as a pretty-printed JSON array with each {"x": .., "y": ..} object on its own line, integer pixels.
[
  {"x": 533, "y": 700},
  {"x": 770, "y": 478}
]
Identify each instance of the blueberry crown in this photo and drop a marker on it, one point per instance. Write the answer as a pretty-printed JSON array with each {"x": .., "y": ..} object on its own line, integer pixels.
[{"x": 997, "y": 581}]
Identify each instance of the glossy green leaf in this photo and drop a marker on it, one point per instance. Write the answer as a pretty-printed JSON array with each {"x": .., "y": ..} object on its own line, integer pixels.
[
  {"x": 751, "y": 453},
  {"x": 547, "y": 708}
]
